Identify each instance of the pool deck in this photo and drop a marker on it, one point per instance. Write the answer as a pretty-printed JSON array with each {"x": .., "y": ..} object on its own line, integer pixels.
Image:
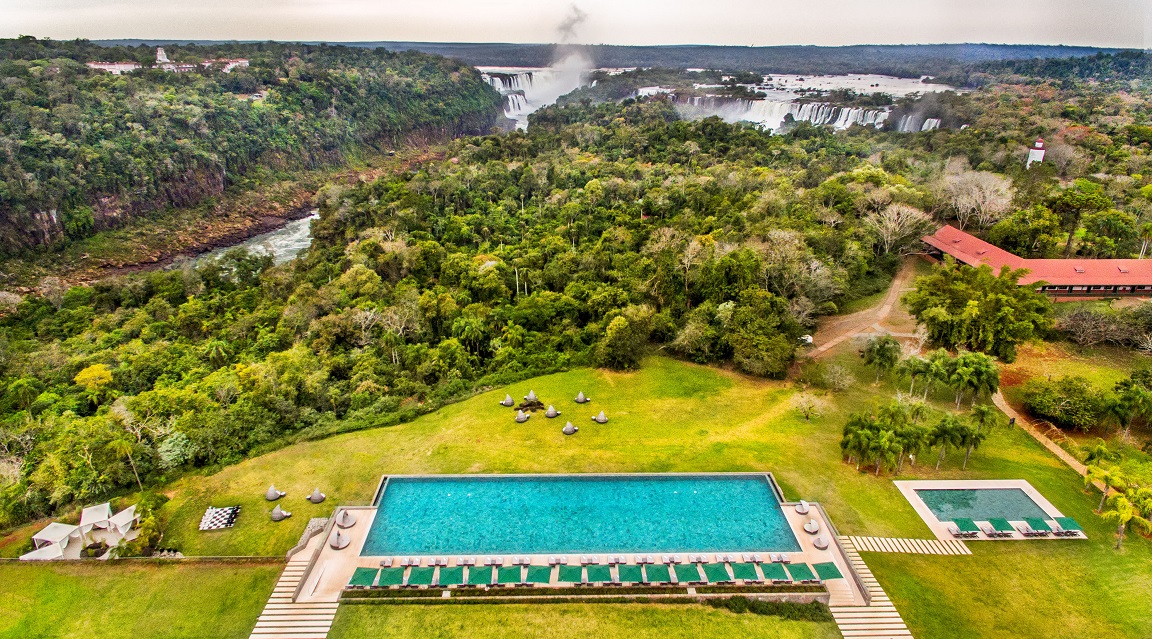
[
  {"x": 329, "y": 570},
  {"x": 940, "y": 529}
]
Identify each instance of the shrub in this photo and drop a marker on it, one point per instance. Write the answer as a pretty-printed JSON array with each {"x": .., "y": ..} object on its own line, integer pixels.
[{"x": 1069, "y": 402}]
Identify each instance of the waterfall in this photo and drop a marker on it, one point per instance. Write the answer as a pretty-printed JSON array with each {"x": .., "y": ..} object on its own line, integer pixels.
[
  {"x": 526, "y": 90},
  {"x": 772, "y": 113},
  {"x": 914, "y": 123}
]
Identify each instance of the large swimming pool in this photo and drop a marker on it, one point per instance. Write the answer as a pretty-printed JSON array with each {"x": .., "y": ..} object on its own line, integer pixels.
[
  {"x": 533, "y": 514},
  {"x": 980, "y": 504}
]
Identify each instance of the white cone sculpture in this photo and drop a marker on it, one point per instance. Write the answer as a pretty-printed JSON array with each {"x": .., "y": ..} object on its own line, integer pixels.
[
  {"x": 345, "y": 520},
  {"x": 522, "y": 417},
  {"x": 581, "y": 399},
  {"x": 569, "y": 429},
  {"x": 316, "y": 497},
  {"x": 601, "y": 418},
  {"x": 552, "y": 412},
  {"x": 508, "y": 401},
  {"x": 279, "y": 514},
  {"x": 340, "y": 541},
  {"x": 531, "y": 396},
  {"x": 272, "y": 494}
]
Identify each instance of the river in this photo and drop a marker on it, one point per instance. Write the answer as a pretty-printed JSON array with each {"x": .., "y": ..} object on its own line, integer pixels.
[{"x": 283, "y": 244}]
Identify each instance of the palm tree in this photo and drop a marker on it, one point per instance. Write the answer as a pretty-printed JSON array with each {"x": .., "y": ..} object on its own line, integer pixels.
[
  {"x": 1132, "y": 400},
  {"x": 912, "y": 368},
  {"x": 971, "y": 438},
  {"x": 882, "y": 352},
  {"x": 913, "y": 440},
  {"x": 946, "y": 433},
  {"x": 1145, "y": 237},
  {"x": 123, "y": 448},
  {"x": 940, "y": 365},
  {"x": 1111, "y": 478},
  {"x": 1125, "y": 513},
  {"x": 884, "y": 449}
]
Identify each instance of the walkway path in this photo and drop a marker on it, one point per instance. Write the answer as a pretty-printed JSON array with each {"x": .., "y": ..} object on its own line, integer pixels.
[
  {"x": 1030, "y": 428},
  {"x": 848, "y": 326},
  {"x": 877, "y": 620},
  {"x": 912, "y": 546},
  {"x": 283, "y": 618}
]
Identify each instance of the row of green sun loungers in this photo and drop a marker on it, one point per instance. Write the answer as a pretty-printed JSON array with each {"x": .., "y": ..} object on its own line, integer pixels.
[
  {"x": 998, "y": 527},
  {"x": 623, "y": 574}
]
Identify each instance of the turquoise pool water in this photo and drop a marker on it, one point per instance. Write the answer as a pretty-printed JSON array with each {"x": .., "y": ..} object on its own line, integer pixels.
[
  {"x": 576, "y": 514},
  {"x": 980, "y": 504}
]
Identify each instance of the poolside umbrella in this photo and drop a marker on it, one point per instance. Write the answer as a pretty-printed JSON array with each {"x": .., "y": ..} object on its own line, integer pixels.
[
  {"x": 316, "y": 497},
  {"x": 802, "y": 507},
  {"x": 531, "y": 396},
  {"x": 340, "y": 541},
  {"x": 812, "y": 527},
  {"x": 552, "y": 412},
  {"x": 569, "y": 429},
  {"x": 279, "y": 514},
  {"x": 508, "y": 401},
  {"x": 581, "y": 399},
  {"x": 345, "y": 520},
  {"x": 521, "y": 417},
  {"x": 273, "y": 494},
  {"x": 821, "y": 543},
  {"x": 601, "y": 418}
]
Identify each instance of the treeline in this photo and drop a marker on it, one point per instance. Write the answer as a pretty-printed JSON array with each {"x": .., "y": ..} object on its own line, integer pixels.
[
  {"x": 1108, "y": 67},
  {"x": 83, "y": 149}
]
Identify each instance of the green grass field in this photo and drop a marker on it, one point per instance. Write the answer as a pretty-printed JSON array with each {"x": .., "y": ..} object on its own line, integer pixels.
[
  {"x": 131, "y": 600},
  {"x": 672, "y": 416},
  {"x": 562, "y": 621}
]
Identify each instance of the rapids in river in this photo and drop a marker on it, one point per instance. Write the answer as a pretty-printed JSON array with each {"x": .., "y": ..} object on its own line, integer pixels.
[{"x": 283, "y": 244}]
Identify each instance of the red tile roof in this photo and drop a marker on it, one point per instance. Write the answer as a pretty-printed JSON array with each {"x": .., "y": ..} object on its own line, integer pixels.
[{"x": 974, "y": 251}]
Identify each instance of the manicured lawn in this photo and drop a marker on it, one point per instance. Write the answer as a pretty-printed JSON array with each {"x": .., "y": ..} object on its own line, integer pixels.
[
  {"x": 129, "y": 600},
  {"x": 560, "y": 621}
]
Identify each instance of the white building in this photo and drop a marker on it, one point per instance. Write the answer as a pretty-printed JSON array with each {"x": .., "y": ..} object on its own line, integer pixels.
[
  {"x": 1036, "y": 153},
  {"x": 115, "y": 68}
]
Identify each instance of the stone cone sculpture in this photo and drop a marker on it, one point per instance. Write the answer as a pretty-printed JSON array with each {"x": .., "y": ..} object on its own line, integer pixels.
[
  {"x": 522, "y": 417},
  {"x": 531, "y": 396},
  {"x": 552, "y": 412},
  {"x": 581, "y": 399},
  {"x": 601, "y": 418},
  {"x": 279, "y": 514},
  {"x": 569, "y": 429},
  {"x": 272, "y": 494},
  {"x": 316, "y": 497},
  {"x": 508, "y": 401}
]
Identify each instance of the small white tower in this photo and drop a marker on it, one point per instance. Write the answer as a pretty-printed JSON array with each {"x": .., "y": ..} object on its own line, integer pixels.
[
  {"x": 161, "y": 57},
  {"x": 1036, "y": 153}
]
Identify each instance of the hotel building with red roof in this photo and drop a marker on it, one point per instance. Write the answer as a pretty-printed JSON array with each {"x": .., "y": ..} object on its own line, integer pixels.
[{"x": 1071, "y": 277}]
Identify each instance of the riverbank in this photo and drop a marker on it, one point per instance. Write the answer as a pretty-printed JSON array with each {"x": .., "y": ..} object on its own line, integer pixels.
[{"x": 164, "y": 237}]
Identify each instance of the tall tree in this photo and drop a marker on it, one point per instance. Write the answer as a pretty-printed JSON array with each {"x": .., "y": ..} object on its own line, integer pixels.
[
  {"x": 1075, "y": 201},
  {"x": 883, "y": 352}
]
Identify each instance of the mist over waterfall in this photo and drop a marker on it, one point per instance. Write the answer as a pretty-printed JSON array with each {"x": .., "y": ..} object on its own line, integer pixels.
[
  {"x": 526, "y": 90},
  {"x": 772, "y": 114}
]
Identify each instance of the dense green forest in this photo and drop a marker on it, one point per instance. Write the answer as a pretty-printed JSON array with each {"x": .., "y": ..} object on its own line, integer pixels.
[
  {"x": 83, "y": 149},
  {"x": 602, "y": 232}
]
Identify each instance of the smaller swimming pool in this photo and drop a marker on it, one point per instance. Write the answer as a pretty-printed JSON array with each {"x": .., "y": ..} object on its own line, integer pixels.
[{"x": 980, "y": 504}]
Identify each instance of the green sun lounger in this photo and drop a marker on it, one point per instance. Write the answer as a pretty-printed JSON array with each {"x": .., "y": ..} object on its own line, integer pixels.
[
  {"x": 687, "y": 574},
  {"x": 1037, "y": 524},
  {"x": 1001, "y": 525},
  {"x": 657, "y": 573},
  {"x": 801, "y": 572},
  {"x": 418, "y": 576},
  {"x": 479, "y": 575},
  {"x": 745, "y": 572},
  {"x": 827, "y": 571},
  {"x": 599, "y": 574},
  {"x": 571, "y": 574},
  {"x": 630, "y": 574},
  {"x": 716, "y": 573},
  {"x": 390, "y": 577},
  {"x": 509, "y": 576},
  {"x": 539, "y": 575},
  {"x": 1069, "y": 525},
  {"x": 451, "y": 576},
  {"x": 966, "y": 525},
  {"x": 775, "y": 573},
  {"x": 363, "y": 578}
]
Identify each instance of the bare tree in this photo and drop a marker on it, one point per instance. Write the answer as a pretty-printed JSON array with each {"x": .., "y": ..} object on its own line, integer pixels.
[
  {"x": 978, "y": 196},
  {"x": 401, "y": 319},
  {"x": 365, "y": 319},
  {"x": 897, "y": 226},
  {"x": 807, "y": 405}
]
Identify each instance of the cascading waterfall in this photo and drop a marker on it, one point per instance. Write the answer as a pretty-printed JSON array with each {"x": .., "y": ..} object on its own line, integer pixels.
[
  {"x": 772, "y": 113},
  {"x": 526, "y": 90},
  {"x": 913, "y": 123}
]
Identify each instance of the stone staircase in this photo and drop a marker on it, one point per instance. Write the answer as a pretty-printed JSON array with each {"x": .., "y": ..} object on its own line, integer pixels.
[
  {"x": 283, "y": 618},
  {"x": 879, "y": 619}
]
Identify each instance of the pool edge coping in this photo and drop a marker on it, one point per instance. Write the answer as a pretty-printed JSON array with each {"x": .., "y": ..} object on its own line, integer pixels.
[{"x": 939, "y": 528}]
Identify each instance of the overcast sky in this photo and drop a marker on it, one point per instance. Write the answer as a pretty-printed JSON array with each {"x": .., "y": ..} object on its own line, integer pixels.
[{"x": 1113, "y": 23}]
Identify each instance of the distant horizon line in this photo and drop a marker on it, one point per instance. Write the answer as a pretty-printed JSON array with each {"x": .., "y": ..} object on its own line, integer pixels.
[{"x": 178, "y": 41}]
